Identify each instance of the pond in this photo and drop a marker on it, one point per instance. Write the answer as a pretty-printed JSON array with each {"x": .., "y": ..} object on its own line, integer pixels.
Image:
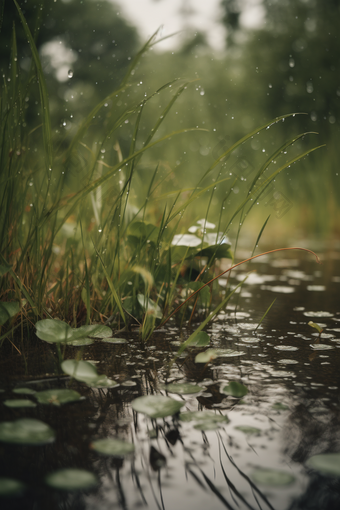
[{"x": 256, "y": 450}]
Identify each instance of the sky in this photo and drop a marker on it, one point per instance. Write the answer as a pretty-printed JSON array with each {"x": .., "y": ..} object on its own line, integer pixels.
[{"x": 149, "y": 15}]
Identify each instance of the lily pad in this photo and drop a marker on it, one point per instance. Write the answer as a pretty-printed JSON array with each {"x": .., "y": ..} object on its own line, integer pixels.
[
  {"x": 246, "y": 429},
  {"x": 156, "y": 406},
  {"x": 11, "y": 487},
  {"x": 235, "y": 389},
  {"x": 53, "y": 331},
  {"x": 85, "y": 334},
  {"x": 205, "y": 420},
  {"x": 321, "y": 347},
  {"x": 57, "y": 396},
  {"x": 115, "y": 447},
  {"x": 23, "y": 391},
  {"x": 272, "y": 477},
  {"x": 19, "y": 402},
  {"x": 113, "y": 340},
  {"x": 26, "y": 431},
  {"x": 71, "y": 479},
  {"x": 85, "y": 372},
  {"x": 211, "y": 354},
  {"x": 8, "y": 310},
  {"x": 183, "y": 388},
  {"x": 326, "y": 463},
  {"x": 202, "y": 339}
]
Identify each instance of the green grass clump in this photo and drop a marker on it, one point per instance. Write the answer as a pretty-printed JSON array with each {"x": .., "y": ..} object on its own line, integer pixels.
[{"x": 89, "y": 238}]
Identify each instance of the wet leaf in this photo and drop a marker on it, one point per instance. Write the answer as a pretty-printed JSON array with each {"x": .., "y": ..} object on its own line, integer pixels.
[
  {"x": 272, "y": 477},
  {"x": 114, "y": 340},
  {"x": 19, "y": 402},
  {"x": 8, "y": 310},
  {"x": 315, "y": 326},
  {"x": 11, "y": 487},
  {"x": 57, "y": 396},
  {"x": 23, "y": 391},
  {"x": 26, "y": 431},
  {"x": 202, "y": 339},
  {"x": 156, "y": 406},
  {"x": 71, "y": 479},
  {"x": 85, "y": 372},
  {"x": 149, "y": 306},
  {"x": 247, "y": 429},
  {"x": 53, "y": 331},
  {"x": 235, "y": 389},
  {"x": 183, "y": 388},
  {"x": 326, "y": 463},
  {"x": 115, "y": 447}
]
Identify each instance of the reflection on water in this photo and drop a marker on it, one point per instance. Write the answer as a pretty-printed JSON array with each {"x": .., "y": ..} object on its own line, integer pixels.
[{"x": 291, "y": 412}]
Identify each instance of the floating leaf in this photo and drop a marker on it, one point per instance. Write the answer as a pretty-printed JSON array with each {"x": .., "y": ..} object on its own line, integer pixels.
[
  {"x": 23, "y": 391},
  {"x": 272, "y": 477},
  {"x": 57, "y": 396},
  {"x": 93, "y": 331},
  {"x": 247, "y": 429},
  {"x": 156, "y": 406},
  {"x": 183, "y": 388},
  {"x": 202, "y": 339},
  {"x": 26, "y": 431},
  {"x": 279, "y": 407},
  {"x": 326, "y": 463},
  {"x": 211, "y": 354},
  {"x": 115, "y": 447},
  {"x": 71, "y": 479},
  {"x": 321, "y": 347},
  {"x": 149, "y": 306},
  {"x": 19, "y": 402},
  {"x": 85, "y": 372},
  {"x": 8, "y": 310},
  {"x": 53, "y": 331},
  {"x": 235, "y": 389},
  {"x": 11, "y": 487},
  {"x": 114, "y": 340},
  {"x": 205, "y": 420}
]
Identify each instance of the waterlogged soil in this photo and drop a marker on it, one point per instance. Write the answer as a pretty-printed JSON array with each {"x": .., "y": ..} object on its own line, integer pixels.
[{"x": 259, "y": 459}]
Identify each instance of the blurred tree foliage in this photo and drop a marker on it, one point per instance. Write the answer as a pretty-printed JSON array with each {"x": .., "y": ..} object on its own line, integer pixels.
[
  {"x": 85, "y": 47},
  {"x": 296, "y": 56}
]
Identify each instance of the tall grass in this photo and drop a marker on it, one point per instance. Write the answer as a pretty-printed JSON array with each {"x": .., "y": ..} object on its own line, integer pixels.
[{"x": 87, "y": 239}]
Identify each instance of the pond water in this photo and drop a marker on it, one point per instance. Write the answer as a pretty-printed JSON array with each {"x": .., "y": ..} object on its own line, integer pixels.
[{"x": 256, "y": 460}]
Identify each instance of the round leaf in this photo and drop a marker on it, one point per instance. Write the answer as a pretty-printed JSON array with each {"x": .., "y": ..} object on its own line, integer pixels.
[
  {"x": 156, "y": 406},
  {"x": 272, "y": 477},
  {"x": 26, "y": 431},
  {"x": 52, "y": 330},
  {"x": 71, "y": 479},
  {"x": 57, "y": 396},
  {"x": 202, "y": 339},
  {"x": 183, "y": 388},
  {"x": 19, "y": 402},
  {"x": 326, "y": 463},
  {"x": 235, "y": 389},
  {"x": 114, "y": 447},
  {"x": 113, "y": 340},
  {"x": 23, "y": 391},
  {"x": 11, "y": 487},
  {"x": 79, "y": 370}
]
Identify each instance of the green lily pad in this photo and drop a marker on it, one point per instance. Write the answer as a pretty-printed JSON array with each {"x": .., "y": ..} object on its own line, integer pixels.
[
  {"x": 156, "y": 406},
  {"x": 183, "y": 388},
  {"x": 8, "y": 310},
  {"x": 26, "y": 431},
  {"x": 23, "y": 391},
  {"x": 85, "y": 334},
  {"x": 19, "y": 402},
  {"x": 211, "y": 354},
  {"x": 114, "y": 340},
  {"x": 11, "y": 487},
  {"x": 248, "y": 430},
  {"x": 115, "y": 447},
  {"x": 202, "y": 339},
  {"x": 235, "y": 389},
  {"x": 85, "y": 372},
  {"x": 71, "y": 479},
  {"x": 205, "y": 420},
  {"x": 57, "y": 396},
  {"x": 326, "y": 463},
  {"x": 79, "y": 342},
  {"x": 272, "y": 477},
  {"x": 53, "y": 331}
]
